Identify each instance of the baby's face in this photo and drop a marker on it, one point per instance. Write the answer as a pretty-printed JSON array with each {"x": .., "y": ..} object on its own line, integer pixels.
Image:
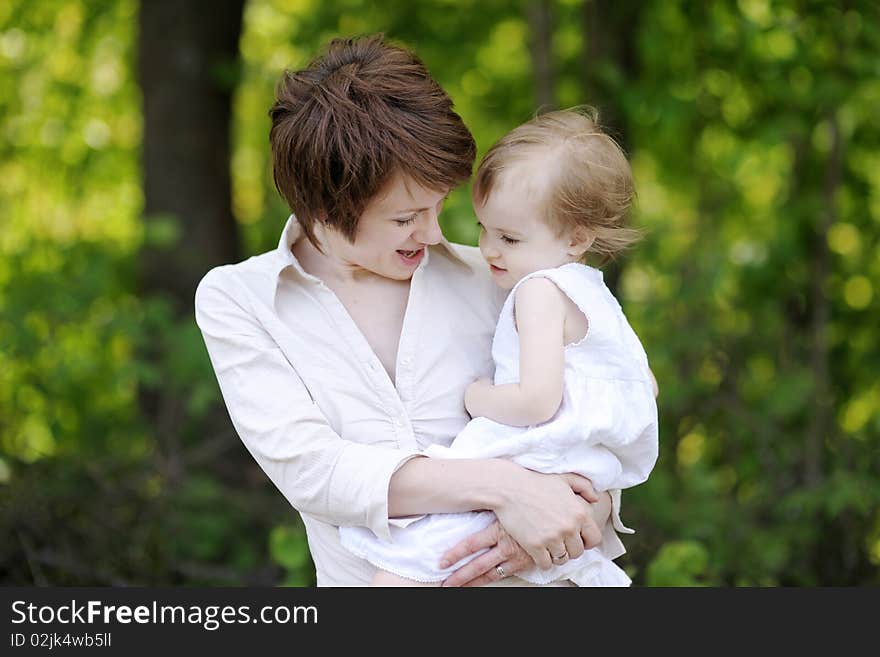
[{"x": 514, "y": 238}]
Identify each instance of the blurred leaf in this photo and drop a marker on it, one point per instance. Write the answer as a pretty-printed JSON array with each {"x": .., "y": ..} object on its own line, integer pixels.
[{"x": 682, "y": 563}]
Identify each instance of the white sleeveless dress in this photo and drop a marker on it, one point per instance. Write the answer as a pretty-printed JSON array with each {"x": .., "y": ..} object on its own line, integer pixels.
[{"x": 605, "y": 429}]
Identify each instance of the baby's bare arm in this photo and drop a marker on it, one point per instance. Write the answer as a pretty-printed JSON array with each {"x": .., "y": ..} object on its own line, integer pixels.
[{"x": 540, "y": 321}]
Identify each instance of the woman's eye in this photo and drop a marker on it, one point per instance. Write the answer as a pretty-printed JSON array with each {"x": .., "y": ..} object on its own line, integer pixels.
[
  {"x": 405, "y": 222},
  {"x": 509, "y": 240}
]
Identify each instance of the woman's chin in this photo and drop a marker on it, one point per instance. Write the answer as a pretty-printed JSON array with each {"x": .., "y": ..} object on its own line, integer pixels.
[{"x": 396, "y": 271}]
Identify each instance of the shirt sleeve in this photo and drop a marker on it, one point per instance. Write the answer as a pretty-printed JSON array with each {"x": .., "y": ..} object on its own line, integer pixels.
[
  {"x": 338, "y": 481},
  {"x": 611, "y": 545}
]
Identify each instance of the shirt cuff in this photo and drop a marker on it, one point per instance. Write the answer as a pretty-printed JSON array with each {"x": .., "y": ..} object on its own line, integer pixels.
[
  {"x": 615, "y": 513},
  {"x": 405, "y": 521},
  {"x": 361, "y": 478},
  {"x": 611, "y": 545}
]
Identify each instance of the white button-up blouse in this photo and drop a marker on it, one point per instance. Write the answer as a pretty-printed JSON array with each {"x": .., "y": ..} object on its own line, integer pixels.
[{"x": 312, "y": 402}]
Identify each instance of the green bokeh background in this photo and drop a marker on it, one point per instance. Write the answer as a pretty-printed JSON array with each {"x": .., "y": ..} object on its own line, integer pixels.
[{"x": 754, "y": 136}]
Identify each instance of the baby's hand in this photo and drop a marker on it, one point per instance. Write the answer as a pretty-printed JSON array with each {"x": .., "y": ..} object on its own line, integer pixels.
[{"x": 474, "y": 393}]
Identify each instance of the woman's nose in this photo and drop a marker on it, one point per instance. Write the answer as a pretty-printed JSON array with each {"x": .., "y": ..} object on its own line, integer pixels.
[{"x": 429, "y": 229}]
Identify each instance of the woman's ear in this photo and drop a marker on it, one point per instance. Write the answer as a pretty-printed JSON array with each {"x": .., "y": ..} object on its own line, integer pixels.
[{"x": 580, "y": 241}]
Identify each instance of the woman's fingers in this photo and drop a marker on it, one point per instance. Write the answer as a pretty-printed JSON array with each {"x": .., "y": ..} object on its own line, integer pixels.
[
  {"x": 541, "y": 557},
  {"x": 546, "y": 512},
  {"x": 483, "y": 566},
  {"x": 582, "y": 486},
  {"x": 504, "y": 569},
  {"x": 505, "y": 558},
  {"x": 574, "y": 546},
  {"x": 592, "y": 527},
  {"x": 558, "y": 551},
  {"x": 591, "y": 534},
  {"x": 484, "y": 538}
]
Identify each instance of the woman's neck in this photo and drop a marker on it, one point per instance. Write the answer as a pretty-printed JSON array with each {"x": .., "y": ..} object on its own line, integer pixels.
[{"x": 325, "y": 264}]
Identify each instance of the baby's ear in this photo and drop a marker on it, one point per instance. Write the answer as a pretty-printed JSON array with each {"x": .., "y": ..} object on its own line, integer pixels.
[{"x": 580, "y": 241}]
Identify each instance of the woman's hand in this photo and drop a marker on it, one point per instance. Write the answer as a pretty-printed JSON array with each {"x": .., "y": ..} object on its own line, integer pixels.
[
  {"x": 505, "y": 558},
  {"x": 508, "y": 555},
  {"x": 549, "y": 515}
]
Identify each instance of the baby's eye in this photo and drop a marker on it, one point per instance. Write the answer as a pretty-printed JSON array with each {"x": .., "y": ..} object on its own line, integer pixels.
[
  {"x": 509, "y": 240},
  {"x": 405, "y": 222}
]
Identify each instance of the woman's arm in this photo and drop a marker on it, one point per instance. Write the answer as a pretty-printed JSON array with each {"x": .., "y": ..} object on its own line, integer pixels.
[
  {"x": 540, "y": 323},
  {"x": 541, "y": 512},
  {"x": 340, "y": 481}
]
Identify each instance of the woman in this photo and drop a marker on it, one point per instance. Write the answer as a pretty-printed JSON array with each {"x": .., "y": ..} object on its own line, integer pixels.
[{"x": 346, "y": 351}]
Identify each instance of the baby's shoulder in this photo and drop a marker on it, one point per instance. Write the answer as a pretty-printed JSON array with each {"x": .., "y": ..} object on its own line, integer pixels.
[
  {"x": 537, "y": 285},
  {"x": 570, "y": 283},
  {"x": 539, "y": 293}
]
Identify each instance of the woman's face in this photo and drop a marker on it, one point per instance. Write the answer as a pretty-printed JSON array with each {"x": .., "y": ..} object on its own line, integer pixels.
[{"x": 393, "y": 231}]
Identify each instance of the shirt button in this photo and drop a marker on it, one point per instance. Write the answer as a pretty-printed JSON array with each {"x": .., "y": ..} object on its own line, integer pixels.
[
  {"x": 398, "y": 422},
  {"x": 406, "y": 361}
]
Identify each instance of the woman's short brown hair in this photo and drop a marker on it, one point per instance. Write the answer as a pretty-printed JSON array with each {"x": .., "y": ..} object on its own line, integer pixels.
[
  {"x": 589, "y": 184},
  {"x": 355, "y": 116}
]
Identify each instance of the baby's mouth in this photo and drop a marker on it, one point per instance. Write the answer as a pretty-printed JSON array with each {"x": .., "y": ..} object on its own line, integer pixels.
[{"x": 408, "y": 254}]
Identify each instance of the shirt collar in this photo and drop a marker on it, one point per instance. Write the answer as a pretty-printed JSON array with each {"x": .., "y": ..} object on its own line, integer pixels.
[{"x": 293, "y": 231}]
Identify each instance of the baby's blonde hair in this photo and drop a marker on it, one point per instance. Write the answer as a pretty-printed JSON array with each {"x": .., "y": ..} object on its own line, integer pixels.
[{"x": 590, "y": 185}]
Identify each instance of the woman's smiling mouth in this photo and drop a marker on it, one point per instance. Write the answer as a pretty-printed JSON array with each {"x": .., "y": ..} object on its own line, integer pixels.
[{"x": 411, "y": 257}]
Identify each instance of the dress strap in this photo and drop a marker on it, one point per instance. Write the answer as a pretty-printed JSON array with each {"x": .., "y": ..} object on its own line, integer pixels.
[{"x": 584, "y": 286}]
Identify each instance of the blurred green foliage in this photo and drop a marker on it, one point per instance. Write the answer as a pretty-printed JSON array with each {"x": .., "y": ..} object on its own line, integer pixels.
[{"x": 756, "y": 149}]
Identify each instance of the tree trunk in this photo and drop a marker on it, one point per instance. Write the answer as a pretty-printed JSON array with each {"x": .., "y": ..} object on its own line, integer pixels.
[
  {"x": 610, "y": 35},
  {"x": 541, "y": 48},
  {"x": 610, "y": 31},
  {"x": 821, "y": 315},
  {"x": 187, "y": 52},
  {"x": 187, "y": 55}
]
